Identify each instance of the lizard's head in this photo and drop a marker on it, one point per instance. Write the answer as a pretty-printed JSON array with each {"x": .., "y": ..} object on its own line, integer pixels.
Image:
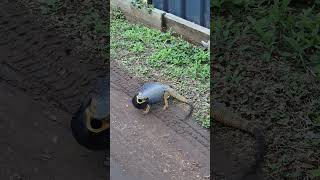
[{"x": 140, "y": 103}]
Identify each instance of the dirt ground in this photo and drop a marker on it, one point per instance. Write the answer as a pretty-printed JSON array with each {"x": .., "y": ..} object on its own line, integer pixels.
[
  {"x": 180, "y": 147},
  {"x": 280, "y": 96},
  {"x": 41, "y": 85},
  {"x": 160, "y": 145},
  {"x": 44, "y": 77},
  {"x": 36, "y": 142}
]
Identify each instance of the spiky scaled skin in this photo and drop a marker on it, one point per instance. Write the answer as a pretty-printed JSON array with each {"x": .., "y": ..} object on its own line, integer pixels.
[
  {"x": 155, "y": 92},
  {"x": 102, "y": 97},
  {"x": 137, "y": 105},
  {"x": 85, "y": 137},
  {"x": 93, "y": 110},
  {"x": 225, "y": 116}
]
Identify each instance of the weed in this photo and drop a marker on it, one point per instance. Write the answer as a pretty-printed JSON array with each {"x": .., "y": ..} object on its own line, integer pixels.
[
  {"x": 295, "y": 86},
  {"x": 315, "y": 118},
  {"x": 315, "y": 173},
  {"x": 284, "y": 32},
  {"x": 49, "y": 6},
  {"x": 92, "y": 19},
  {"x": 140, "y": 4},
  {"x": 205, "y": 121},
  {"x": 137, "y": 47}
]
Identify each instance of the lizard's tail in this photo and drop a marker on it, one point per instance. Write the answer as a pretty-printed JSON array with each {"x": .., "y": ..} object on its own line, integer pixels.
[
  {"x": 190, "y": 110},
  {"x": 221, "y": 114},
  {"x": 181, "y": 98},
  {"x": 259, "y": 156}
]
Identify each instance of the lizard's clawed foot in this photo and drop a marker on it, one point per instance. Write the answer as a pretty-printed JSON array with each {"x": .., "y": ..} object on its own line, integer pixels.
[
  {"x": 165, "y": 108},
  {"x": 146, "y": 111}
]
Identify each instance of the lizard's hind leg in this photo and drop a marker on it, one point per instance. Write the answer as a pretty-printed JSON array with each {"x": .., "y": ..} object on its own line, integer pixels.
[{"x": 166, "y": 96}]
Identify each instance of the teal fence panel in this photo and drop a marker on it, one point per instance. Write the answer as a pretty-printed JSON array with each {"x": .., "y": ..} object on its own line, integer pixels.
[{"x": 197, "y": 11}]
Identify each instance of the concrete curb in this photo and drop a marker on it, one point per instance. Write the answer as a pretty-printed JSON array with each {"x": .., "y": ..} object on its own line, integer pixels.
[
  {"x": 141, "y": 16},
  {"x": 190, "y": 31},
  {"x": 163, "y": 21}
]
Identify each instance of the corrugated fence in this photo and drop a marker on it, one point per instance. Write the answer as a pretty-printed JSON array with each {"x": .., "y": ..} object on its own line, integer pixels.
[{"x": 197, "y": 11}]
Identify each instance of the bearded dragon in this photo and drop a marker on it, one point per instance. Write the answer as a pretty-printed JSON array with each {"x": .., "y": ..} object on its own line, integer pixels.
[
  {"x": 155, "y": 92},
  {"x": 225, "y": 116},
  {"x": 92, "y": 121}
]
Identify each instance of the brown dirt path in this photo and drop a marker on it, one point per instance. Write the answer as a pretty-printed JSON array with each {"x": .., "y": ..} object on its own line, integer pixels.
[
  {"x": 36, "y": 142},
  {"x": 160, "y": 145}
]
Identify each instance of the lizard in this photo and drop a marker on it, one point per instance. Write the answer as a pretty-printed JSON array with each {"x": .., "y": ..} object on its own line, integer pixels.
[
  {"x": 225, "y": 116},
  {"x": 154, "y": 92},
  {"x": 92, "y": 120}
]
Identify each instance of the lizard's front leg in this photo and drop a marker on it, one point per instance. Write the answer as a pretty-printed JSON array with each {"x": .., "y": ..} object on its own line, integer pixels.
[
  {"x": 146, "y": 111},
  {"x": 165, "y": 99}
]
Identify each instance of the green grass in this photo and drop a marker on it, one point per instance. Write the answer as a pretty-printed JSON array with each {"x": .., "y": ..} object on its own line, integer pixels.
[
  {"x": 288, "y": 31},
  {"x": 92, "y": 18},
  {"x": 171, "y": 57},
  {"x": 315, "y": 173},
  {"x": 50, "y": 6},
  {"x": 142, "y": 5},
  {"x": 175, "y": 55}
]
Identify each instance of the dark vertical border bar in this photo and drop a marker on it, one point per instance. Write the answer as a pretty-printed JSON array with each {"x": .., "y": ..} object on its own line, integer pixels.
[
  {"x": 211, "y": 90},
  {"x": 107, "y": 152},
  {"x": 165, "y": 5},
  {"x": 183, "y": 9},
  {"x": 202, "y": 12}
]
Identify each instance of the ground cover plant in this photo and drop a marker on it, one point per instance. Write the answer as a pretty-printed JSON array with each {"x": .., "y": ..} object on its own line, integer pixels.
[{"x": 266, "y": 57}]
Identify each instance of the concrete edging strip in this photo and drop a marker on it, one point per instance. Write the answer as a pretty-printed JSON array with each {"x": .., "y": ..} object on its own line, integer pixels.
[
  {"x": 153, "y": 19},
  {"x": 189, "y": 30}
]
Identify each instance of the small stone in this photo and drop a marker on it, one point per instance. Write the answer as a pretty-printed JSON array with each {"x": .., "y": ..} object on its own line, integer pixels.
[
  {"x": 36, "y": 170},
  {"x": 52, "y": 117},
  {"x": 36, "y": 124},
  {"x": 55, "y": 139}
]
